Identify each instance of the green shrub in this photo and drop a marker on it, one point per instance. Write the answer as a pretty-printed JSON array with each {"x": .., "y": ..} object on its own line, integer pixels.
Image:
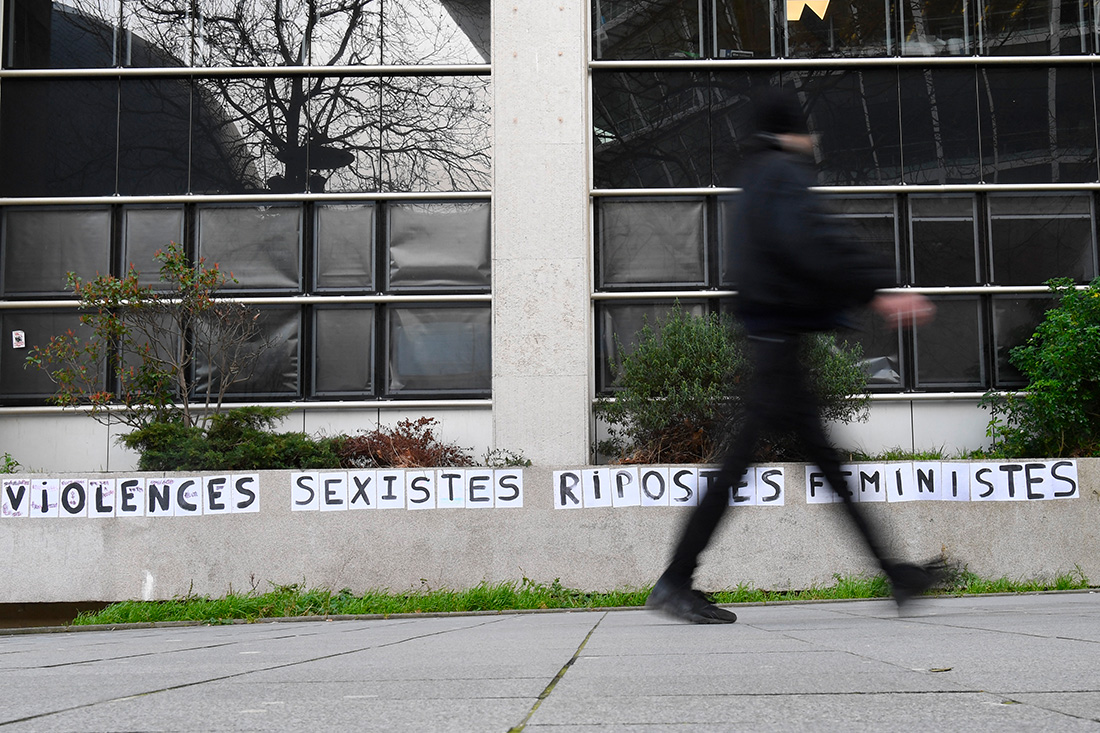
[
  {"x": 1058, "y": 413},
  {"x": 679, "y": 398}
]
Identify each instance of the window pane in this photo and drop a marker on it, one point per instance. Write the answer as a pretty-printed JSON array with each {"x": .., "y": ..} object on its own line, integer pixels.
[
  {"x": 935, "y": 27},
  {"x": 745, "y": 29},
  {"x": 275, "y": 371},
  {"x": 41, "y": 246},
  {"x": 652, "y": 243},
  {"x": 943, "y": 238},
  {"x": 731, "y": 120},
  {"x": 155, "y": 127},
  {"x": 57, "y": 137},
  {"x": 949, "y": 349},
  {"x": 727, "y": 213},
  {"x": 620, "y": 324},
  {"x": 344, "y": 134},
  {"x": 646, "y": 29},
  {"x": 856, "y": 28},
  {"x": 439, "y": 246},
  {"x": 873, "y": 221},
  {"x": 345, "y": 247},
  {"x": 436, "y": 133},
  {"x": 343, "y": 351},
  {"x": 855, "y": 115},
  {"x": 157, "y": 32},
  {"x": 439, "y": 350},
  {"x": 651, "y": 129},
  {"x": 881, "y": 349},
  {"x": 38, "y": 327},
  {"x": 435, "y": 31},
  {"x": 257, "y": 245},
  {"x": 1035, "y": 238},
  {"x": 1037, "y": 124},
  {"x": 1039, "y": 27},
  {"x": 146, "y": 232},
  {"x": 939, "y": 122},
  {"x": 1015, "y": 318},
  {"x": 76, "y": 35}
]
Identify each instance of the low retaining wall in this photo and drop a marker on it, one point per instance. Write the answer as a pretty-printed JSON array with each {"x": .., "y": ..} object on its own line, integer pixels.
[{"x": 210, "y": 534}]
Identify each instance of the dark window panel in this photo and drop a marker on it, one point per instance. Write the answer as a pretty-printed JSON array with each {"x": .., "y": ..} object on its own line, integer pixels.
[
  {"x": 345, "y": 247},
  {"x": 1033, "y": 27},
  {"x": 439, "y": 349},
  {"x": 58, "y": 137},
  {"x": 155, "y": 130},
  {"x": 41, "y": 246},
  {"x": 258, "y": 245},
  {"x": 436, "y": 133},
  {"x": 873, "y": 221},
  {"x": 939, "y": 126},
  {"x": 647, "y": 29},
  {"x": 881, "y": 345},
  {"x": 651, "y": 129},
  {"x": 275, "y": 373},
  {"x": 344, "y": 134},
  {"x": 343, "y": 351},
  {"x": 949, "y": 349},
  {"x": 1015, "y": 318},
  {"x": 745, "y": 28},
  {"x": 935, "y": 28},
  {"x": 620, "y": 324},
  {"x": 1037, "y": 124},
  {"x": 732, "y": 127},
  {"x": 146, "y": 231},
  {"x": 943, "y": 240},
  {"x": 652, "y": 242},
  {"x": 1035, "y": 238},
  {"x": 439, "y": 246},
  {"x": 727, "y": 223},
  {"x": 856, "y": 28},
  {"x": 32, "y": 384},
  {"x": 76, "y": 35},
  {"x": 855, "y": 117}
]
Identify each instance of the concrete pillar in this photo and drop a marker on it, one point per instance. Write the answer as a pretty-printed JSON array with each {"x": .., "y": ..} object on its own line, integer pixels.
[{"x": 542, "y": 344}]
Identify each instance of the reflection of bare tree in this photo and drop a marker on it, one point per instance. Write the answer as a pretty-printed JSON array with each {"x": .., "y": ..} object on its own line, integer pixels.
[{"x": 295, "y": 132}]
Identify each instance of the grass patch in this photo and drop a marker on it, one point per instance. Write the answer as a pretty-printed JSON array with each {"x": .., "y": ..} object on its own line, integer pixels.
[{"x": 293, "y": 600}]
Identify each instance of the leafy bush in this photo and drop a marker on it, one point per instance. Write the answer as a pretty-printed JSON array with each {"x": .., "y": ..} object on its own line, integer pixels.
[
  {"x": 1058, "y": 413},
  {"x": 680, "y": 392},
  {"x": 411, "y": 444}
]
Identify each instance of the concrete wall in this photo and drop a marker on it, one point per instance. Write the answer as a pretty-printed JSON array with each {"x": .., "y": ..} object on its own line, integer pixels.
[{"x": 795, "y": 545}]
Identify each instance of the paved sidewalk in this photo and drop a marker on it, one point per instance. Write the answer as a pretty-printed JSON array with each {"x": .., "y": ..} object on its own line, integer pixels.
[{"x": 974, "y": 664}]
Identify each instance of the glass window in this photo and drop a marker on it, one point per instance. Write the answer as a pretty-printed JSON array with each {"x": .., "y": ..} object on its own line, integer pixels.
[
  {"x": 146, "y": 231},
  {"x": 343, "y": 361},
  {"x": 345, "y": 247},
  {"x": 727, "y": 222},
  {"x": 432, "y": 31},
  {"x": 1033, "y": 27},
  {"x": 1037, "y": 124},
  {"x": 619, "y": 325},
  {"x": 75, "y": 35},
  {"x": 855, "y": 116},
  {"x": 58, "y": 137},
  {"x": 731, "y": 120},
  {"x": 647, "y": 29},
  {"x": 38, "y": 327},
  {"x": 157, "y": 33},
  {"x": 646, "y": 242},
  {"x": 436, "y": 133},
  {"x": 272, "y": 357},
  {"x": 439, "y": 349},
  {"x": 257, "y": 245},
  {"x": 744, "y": 29},
  {"x": 943, "y": 240},
  {"x": 439, "y": 245},
  {"x": 1034, "y": 238},
  {"x": 939, "y": 123},
  {"x": 155, "y": 130},
  {"x": 344, "y": 142},
  {"x": 949, "y": 349},
  {"x": 41, "y": 246},
  {"x": 935, "y": 27},
  {"x": 817, "y": 28},
  {"x": 873, "y": 221},
  {"x": 1015, "y": 318},
  {"x": 881, "y": 344}
]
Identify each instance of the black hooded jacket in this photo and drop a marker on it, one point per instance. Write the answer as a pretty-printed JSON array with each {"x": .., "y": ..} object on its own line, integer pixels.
[{"x": 797, "y": 268}]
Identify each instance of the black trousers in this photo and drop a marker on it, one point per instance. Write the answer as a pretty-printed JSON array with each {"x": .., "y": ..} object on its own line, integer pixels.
[{"x": 779, "y": 399}]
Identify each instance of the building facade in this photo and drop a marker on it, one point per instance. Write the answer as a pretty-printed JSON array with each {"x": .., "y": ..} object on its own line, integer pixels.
[{"x": 458, "y": 208}]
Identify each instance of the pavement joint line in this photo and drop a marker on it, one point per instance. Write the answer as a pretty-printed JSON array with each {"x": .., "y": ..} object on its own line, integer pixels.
[
  {"x": 557, "y": 678},
  {"x": 222, "y": 678}
]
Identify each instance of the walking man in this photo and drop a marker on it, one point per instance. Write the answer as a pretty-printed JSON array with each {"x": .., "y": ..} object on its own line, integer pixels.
[{"x": 797, "y": 271}]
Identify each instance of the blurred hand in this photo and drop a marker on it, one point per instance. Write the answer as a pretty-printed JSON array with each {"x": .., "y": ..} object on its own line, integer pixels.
[{"x": 903, "y": 309}]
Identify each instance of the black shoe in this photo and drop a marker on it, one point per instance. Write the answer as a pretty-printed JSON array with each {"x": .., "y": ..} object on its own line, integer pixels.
[
  {"x": 681, "y": 602},
  {"x": 909, "y": 581}
]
